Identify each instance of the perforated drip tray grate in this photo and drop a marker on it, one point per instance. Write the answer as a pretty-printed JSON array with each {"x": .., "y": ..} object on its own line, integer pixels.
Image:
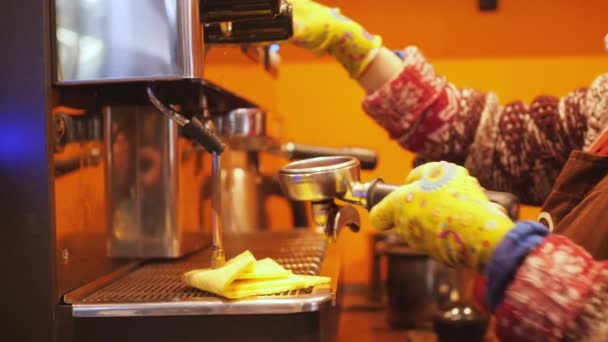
[{"x": 156, "y": 288}]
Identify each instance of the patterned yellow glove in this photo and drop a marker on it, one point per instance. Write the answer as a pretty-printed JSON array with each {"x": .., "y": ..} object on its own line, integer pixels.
[
  {"x": 444, "y": 212},
  {"x": 324, "y": 30}
]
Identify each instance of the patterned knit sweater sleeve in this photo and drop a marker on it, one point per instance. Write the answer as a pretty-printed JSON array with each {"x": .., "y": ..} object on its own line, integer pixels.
[
  {"x": 516, "y": 148},
  {"x": 559, "y": 293}
]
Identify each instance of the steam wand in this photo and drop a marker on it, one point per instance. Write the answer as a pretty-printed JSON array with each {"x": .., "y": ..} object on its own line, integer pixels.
[
  {"x": 196, "y": 129},
  {"x": 218, "y": 257},
  {"x": 193, "y": 127}
]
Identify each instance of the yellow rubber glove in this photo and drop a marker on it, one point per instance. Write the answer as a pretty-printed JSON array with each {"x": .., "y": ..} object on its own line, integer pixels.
[
  {"x": 324, "y": 30},
  {"x": 444, "y": 212}
]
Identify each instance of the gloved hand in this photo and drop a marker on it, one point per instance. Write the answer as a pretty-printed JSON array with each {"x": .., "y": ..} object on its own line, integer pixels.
[
  {"x": 324, "y": 30},
  {"x": 444, "y": 212}
]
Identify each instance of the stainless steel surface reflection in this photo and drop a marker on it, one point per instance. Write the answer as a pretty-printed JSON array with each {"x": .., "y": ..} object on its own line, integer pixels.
[
  {"x": 80, "y": 197},
  {"x": 241, "y": 123},
  {"x": 117, "y": 40},
  {"x": 154, "y": 182},
  {"x": 320, "y": 179}
]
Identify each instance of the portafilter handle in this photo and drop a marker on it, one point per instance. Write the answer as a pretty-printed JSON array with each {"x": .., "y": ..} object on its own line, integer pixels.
[
  {"x": 506, "y": 201},
  {"x": 377, "y": 191}
]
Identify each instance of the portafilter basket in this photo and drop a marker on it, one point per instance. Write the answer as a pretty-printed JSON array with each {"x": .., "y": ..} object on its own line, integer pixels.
[{"x": 321, "y": 180}]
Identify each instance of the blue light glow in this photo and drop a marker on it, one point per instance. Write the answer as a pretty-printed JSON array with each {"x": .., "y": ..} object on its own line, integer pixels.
[
  {"x": 274, "y": 48},
  {"x": 19, "y": 137}
]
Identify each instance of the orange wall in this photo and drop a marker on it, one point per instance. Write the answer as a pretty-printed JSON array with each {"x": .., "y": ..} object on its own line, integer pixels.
[
  {"x": 525, "y": 49},
  {"x": 457, "y": 29}
]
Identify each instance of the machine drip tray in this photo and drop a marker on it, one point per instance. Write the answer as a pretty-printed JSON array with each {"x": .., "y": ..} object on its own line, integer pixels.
[{"x": 155, "y": 288}]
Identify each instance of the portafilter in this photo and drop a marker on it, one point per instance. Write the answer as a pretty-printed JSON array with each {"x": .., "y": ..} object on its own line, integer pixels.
[{"x": 322, "y": 180}]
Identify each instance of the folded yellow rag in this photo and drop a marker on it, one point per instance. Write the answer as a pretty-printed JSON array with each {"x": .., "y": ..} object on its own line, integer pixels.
[
  {"x": 264, "y": 269},
  {"x": 244, "y": 276}
]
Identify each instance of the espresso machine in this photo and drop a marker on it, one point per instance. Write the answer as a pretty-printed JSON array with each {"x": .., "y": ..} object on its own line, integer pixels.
[{"x": 106, "y": 140}]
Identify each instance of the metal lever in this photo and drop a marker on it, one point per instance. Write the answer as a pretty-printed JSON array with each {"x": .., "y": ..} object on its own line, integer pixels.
[
  {"x": 213, "y": 11},
  {"x": 272, "y": 29}
]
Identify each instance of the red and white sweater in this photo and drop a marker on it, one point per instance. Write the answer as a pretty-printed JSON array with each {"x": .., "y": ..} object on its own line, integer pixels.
[{"x": 517, "y": 148}]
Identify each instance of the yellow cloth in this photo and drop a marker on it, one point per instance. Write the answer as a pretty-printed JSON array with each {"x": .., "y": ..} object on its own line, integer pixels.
[
  {"x": 325, "y": 30},
  {"x": 243, "y": 276},
  {"x": 444, "y": 212},
  {"x": 217, "y": 280}
]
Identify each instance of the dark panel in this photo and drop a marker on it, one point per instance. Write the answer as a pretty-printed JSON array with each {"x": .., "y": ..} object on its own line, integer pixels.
[
  {"x": 316, "y": 326},
  {"x": 488, "y": 5},
  {"x": 26, "y": 243}
]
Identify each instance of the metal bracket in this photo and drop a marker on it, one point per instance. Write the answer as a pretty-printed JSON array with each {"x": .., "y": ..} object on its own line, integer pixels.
[{"x": 339, "y": 217}]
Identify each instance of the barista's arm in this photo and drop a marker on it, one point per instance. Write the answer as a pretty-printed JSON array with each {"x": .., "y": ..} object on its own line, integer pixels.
[
  {"x": 555, "y": 291},
  {"x": 383, "y": 68},
  {"x": 517, "y": 148}
]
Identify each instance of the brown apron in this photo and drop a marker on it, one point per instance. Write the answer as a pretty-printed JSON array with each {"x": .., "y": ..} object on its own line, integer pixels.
[{"x": 577, "y": 207}]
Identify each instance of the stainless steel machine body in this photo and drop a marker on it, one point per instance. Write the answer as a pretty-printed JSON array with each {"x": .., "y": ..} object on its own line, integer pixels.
[
  {"x": 154, "y": 177},
  {"x": 124, "y": 41},
  {"x": 152, "y": 40}
]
